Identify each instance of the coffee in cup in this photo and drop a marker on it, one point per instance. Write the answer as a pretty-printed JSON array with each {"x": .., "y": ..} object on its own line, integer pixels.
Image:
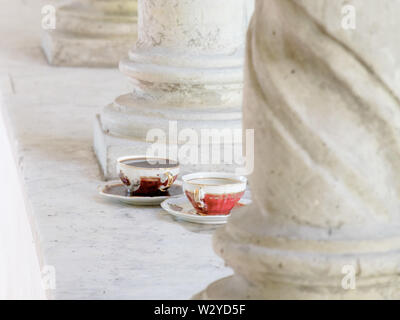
[{"x": 147, "y": 176}]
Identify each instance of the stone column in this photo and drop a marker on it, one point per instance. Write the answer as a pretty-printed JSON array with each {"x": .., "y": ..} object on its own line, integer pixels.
[
  {"x": 186, "y": 67},
  {"x": 93, "y": 33},
  {"x": 325, "y": 222}
]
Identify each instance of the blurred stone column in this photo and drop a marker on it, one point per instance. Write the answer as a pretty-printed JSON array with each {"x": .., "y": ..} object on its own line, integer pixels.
[
  {"x": 93, "y": 33},
  {"x": 187, "y": 66},
  {"x": 325, "y": 106}
]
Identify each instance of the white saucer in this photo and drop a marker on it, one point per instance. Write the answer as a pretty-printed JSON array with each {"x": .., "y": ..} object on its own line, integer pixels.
[
  {"x": 117, "y": 191},
  {"x": 181, "y": 208}
]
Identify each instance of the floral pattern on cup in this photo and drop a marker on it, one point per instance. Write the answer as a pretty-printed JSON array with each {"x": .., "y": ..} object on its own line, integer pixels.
[
  {"x": 151, "y": 180},
  {"x": 124, "y": 179}
]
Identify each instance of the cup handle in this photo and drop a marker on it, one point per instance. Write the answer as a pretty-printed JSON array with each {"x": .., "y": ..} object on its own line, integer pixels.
[
  {"x": 170, "y": 179},
  {"x": 199, "y": 198}
]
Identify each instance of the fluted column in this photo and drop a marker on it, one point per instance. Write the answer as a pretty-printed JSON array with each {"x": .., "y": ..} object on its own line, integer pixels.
[
  {"x": 322, "y": 99},
  {"x": 187, "y": 66},
  {"x": 93, "y": 33}
]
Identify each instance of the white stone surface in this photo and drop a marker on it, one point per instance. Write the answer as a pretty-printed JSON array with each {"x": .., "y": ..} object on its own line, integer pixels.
[
  {"x": 187, "y": 66},
  {"x": 92, "y": 33},
  {"x": 99, "y": 249},
  {"x": 326, "y": 110},
  {"x": 20, "y": 270}
]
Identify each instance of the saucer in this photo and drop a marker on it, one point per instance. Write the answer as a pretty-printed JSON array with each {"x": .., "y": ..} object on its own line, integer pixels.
[
  {"x": 117, "y": 191},
  {"x": 181, "y": 208}
]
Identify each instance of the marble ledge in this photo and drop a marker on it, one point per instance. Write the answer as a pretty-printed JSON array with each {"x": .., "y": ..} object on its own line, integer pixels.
[{"x": 99, "y": 249}]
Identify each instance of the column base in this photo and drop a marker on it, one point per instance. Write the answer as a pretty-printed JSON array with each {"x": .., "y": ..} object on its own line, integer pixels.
[
  {"x": 295, "y": 262},
  {"x": 237, "y": 288},
  {"x": 71, "y": 50},
  {"x": 91, "y": 33}
]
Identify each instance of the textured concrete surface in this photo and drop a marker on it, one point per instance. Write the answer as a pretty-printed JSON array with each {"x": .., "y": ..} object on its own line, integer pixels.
[
  {"x": 326, "y": 111},
  {"x": 99, "y": 249}
]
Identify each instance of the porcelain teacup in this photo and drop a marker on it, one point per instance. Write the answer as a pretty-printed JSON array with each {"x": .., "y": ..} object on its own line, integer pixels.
[
  {"x": 214, "y": 193},
  {"x": 147, "y": 176}
]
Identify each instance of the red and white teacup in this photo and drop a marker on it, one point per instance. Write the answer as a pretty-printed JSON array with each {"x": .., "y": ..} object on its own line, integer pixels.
[
  {"x": 214, "y": 193},
  {"x": 147, "y": 176}
]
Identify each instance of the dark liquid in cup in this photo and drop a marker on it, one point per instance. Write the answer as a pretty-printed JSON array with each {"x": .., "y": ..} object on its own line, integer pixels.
[{"x": 151, "y": 163}]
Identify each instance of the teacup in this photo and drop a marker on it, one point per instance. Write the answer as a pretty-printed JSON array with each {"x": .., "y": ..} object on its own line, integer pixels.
[
  {"x": 214, "y": 193},
  {"x": 147, "y": 176}
]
